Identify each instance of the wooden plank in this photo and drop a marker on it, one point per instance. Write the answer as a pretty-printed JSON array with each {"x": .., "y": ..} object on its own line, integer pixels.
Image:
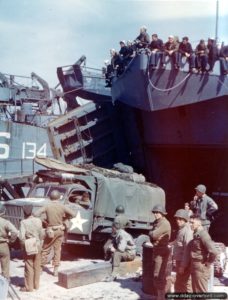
[{"x": 82, "y": 275}]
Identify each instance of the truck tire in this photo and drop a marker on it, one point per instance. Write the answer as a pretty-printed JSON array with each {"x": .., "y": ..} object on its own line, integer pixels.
[{"x": 139, "y": 241}]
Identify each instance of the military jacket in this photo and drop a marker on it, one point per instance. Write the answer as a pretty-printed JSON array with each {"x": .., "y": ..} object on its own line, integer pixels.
[
  {"x": 55, "y": 212},
  {"x": 161, "y": 232},
  {"x": 201, "y": 248},
  {"x": 124, "y": 242},
  {"x": 8, "y": 232},
  {"x": 184, "y": 236},
  {"x": 31, "y": 227},
  {"x": 204, "y": 207}
]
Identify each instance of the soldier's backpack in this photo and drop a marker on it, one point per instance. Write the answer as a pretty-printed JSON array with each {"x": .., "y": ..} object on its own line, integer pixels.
[{"x": 31, "y": 246}]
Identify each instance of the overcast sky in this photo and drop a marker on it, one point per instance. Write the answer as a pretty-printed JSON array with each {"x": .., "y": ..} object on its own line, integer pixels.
[{"x": 41, "y": 35}]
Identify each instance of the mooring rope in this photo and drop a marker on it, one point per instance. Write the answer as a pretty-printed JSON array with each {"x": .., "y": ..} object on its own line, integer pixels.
[{"x": 169, "y": 89}]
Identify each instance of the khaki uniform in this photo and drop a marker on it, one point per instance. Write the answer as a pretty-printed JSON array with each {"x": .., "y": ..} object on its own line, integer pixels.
[
  {"x": 205, "y": 207},
  {"x": 29, "y": 228},
  {"x": 183, "y": 281},
  {"x": 201, "y": 252},
  {"x": 8, "y": 233},
  {"x": 55, "y": 212},
  {"x": 159, "y": 236},
  {"x": 124, "y": 222},
  {"x": 125, "y": 248}
]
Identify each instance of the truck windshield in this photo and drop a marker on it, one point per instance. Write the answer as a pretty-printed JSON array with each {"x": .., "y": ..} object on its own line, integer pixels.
[{"x": 45, "y": 191}]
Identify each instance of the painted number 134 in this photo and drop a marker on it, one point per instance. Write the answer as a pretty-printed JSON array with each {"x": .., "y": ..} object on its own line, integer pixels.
[{"x": 29, "y": 150}]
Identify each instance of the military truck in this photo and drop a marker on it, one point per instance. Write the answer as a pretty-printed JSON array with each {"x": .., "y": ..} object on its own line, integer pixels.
[{"x": 106, "y": 189}]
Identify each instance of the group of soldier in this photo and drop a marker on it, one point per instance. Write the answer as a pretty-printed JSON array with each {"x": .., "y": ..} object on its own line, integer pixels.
[
  {"x": 204, "y": 54},
  {"x": 193, "y": 249},
  {"x": 36, "y": 242}
]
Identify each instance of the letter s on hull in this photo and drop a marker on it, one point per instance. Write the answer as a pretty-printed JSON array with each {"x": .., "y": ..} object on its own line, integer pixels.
[{"x": 4, "y": 148}]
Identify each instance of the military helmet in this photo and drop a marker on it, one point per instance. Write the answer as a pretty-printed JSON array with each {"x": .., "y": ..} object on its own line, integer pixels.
[
  {"x": 182, "y": 213},
  {"x": 55, "y": 195},
  {"x": 159, "y": 208},
  {"x": 120, "y": 209},
  {"x": 201, "y": 188},
  {"x": 2, "y": 209}
]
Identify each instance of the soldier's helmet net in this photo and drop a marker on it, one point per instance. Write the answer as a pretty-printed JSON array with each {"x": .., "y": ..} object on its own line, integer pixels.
[
  {"x": 182, "y": 214},
  {"x": 120, "y": 209},
  {"x": 55, "y": 195}
]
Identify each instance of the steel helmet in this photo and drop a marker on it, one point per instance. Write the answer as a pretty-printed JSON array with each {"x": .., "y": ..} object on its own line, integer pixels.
[
  {"x": 182, "y": 213},
  {"x": 120, "y": 209},
  {"x": 159, "y": 208},
  {"x": 201, "y": 188},
  {"x": 2, "y": 209},
  {"x": 55, "y": 195}
]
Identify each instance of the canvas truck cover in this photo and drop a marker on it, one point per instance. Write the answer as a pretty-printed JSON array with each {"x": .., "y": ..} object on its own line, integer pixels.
[{"x": 138, "y": 199}]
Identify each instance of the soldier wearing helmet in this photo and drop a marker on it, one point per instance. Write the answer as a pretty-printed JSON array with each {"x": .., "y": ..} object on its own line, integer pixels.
[
  {"x": 121, "y": 218},
  {"x": 203, "y": 205},
  {"x": 56, "y": 213},
  {"x": 184, "y": 236},
  {"x": 123, "y": 222},
  {"x": 122, "y": 248},
  {"x": 8, "y": 234},
  {"x": 159, "y": 236}
]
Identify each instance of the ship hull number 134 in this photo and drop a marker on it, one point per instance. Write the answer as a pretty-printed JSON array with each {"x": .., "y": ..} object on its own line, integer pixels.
[{"x": 29, "y": 150}]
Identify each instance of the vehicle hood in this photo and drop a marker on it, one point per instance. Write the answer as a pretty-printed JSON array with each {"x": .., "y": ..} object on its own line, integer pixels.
[{"x": 25, "y": 201}]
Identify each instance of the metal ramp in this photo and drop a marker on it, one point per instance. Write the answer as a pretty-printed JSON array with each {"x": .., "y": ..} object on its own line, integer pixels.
[{"x": 87, "y": 134}]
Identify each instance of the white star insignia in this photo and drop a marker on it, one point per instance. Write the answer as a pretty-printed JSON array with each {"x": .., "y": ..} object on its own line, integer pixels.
[{"x": 77, "y": 222}]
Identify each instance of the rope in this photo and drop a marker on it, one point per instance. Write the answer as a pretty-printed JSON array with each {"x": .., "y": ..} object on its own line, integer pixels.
[
  {"x": 74, "y": 90},
  {"x": 169, "y": 89}
]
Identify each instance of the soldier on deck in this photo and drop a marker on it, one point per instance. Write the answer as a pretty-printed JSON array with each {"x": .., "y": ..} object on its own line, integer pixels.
[
  {"x": 159, "y": 236},
  {"x": 8, "y": 234},
  {"x": 31, "y": 227},
  {"x": 56, "y": 213},
  {"x": 143, "y": 39},
  {"x": 184, "y": 236},
  {"x": 201, "y": 254},
  {"x": 203, "y": 205},
  {"x": 122, "y": 248}
]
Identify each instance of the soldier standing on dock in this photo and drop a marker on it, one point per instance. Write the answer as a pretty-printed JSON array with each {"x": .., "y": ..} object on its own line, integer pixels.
[
  {"x": 159, "y": 236},
  {"x": 203, "y": 205},
  {"x": 55, "y": 212},
  {"x": 184, "y": 236},
  {"x": 201, "y": 254}
]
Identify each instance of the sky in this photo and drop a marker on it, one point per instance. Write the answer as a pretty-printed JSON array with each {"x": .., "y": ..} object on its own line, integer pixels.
[{"x": 39, "y": 36}]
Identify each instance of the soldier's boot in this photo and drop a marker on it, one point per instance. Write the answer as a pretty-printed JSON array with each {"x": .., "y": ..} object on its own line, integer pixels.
[
  {"x": 161, "y": 295},
  {"x": 55, "y": 273},
  {"x": 113, "y": 275}
]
